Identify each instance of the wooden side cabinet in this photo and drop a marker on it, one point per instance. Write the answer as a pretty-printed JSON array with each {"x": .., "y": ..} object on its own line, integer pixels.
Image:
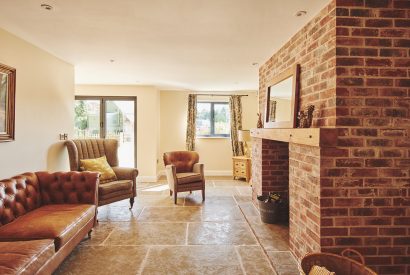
[{"x": 241, "y": 167}]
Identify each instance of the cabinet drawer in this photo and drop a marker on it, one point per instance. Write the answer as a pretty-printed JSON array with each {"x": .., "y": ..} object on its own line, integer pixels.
[
  {"x": 240, "y": 172},
  {"x": 239, "y": 164}
]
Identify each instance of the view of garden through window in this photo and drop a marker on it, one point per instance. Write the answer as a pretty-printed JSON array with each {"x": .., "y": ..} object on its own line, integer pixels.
[{"x": 212, "y": 119}]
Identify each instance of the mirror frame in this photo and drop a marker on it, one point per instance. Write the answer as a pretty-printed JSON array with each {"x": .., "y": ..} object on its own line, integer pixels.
[
  {"x": 294, "y": 72},
  {"x": 8, "y": 135}
]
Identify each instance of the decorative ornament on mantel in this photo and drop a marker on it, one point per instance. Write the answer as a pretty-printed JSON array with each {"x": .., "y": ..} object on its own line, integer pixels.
[
  {"x": 259, "y": 124},
  {"x": 305, "y": 117}
]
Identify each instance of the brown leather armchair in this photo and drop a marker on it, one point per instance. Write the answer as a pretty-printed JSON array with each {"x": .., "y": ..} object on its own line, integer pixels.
[
  {"x": 125, "y": 185},
  {"x": 184, "y": 173}
]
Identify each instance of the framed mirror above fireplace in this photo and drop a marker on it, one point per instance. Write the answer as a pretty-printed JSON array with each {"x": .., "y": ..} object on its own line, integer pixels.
[{"x": 282, "y": 99}]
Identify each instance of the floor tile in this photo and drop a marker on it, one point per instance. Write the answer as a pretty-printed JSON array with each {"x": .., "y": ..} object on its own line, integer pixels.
[
  {"x": 273, "y": 237},
  {"x": 117, "y": 213},
  {"x": 90, "y": 260},
  {"x": 220, "y": 233},
  {"x": 230, "y": 183},
  {"x": 100, "y": 233},
  {"x": 249, "y": 209},
  {"x": 224, "y": 213},
  {"x": 192, "y": 260},
  {"x": 162, "y": 200},
  {"x": 149, "y": 234},
  {"x": 196, "y": 200},
  {"x": 282, "y": 258},
  {"x": 254, "y": 261},
  {"x": 221, "y": 191},
  {"x": 170, "y": 214}
]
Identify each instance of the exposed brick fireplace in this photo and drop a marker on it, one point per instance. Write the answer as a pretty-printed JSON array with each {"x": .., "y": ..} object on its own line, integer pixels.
[{"x": 354, "y": 58}]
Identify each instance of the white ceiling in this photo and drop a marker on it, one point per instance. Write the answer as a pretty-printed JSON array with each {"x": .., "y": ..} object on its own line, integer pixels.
[{"x": 202, "y": 45}]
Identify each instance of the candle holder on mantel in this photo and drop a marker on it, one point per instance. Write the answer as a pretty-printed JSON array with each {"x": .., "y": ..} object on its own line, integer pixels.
[{"x": 305, "y": 117}]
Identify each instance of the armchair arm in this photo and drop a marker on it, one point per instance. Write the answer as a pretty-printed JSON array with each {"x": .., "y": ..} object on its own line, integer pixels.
[
  {"x": 171, "y": 173},
  {"x": 124, "y": 173},
  {"x": 69, "y": 187},
  {"x": 199, "y": 168}
]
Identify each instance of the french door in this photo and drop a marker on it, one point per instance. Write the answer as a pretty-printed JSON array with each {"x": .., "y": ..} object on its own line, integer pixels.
[{"x": 109, "y": 117}]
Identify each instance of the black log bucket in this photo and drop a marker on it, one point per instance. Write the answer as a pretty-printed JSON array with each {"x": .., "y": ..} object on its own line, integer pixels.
[{"x": 272, "y": 212}]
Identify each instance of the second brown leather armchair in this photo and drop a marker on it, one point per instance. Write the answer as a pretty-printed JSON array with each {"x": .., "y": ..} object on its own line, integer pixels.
[
  {"x": 122, "y": 188},
  {"x": 184, "y": 173}
]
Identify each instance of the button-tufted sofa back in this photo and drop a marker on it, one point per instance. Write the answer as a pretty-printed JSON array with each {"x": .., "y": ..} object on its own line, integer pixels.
[
  {"x": 183, "y": 160},
  {"x": 18, "y": 196},
  {"x": 28, "y": 191},
  {"x": 91, "y": 148}
]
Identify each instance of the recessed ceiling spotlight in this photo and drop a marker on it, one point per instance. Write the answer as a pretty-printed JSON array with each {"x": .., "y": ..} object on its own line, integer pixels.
[
  {"x": 46, "y": 7},
  {"x": 301, "y": 13},
  {"x": 112, "y": 60},
  {"x": 255, "y": 63}
]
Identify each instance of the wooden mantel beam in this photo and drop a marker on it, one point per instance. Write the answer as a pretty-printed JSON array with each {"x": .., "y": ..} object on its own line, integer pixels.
[{"x": 320, "y": 137}]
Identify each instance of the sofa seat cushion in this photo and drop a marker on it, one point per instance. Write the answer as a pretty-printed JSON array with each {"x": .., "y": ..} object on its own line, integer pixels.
[
  {"x": 184, "y": 178},
  {"x": 54, "y": 221},
  {"x": 115, "y": 186},
  {"x": 25, "y": 257}
]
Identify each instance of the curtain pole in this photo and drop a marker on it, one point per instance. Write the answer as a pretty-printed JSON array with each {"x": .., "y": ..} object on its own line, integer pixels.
[{"x": 217, "y": 95}]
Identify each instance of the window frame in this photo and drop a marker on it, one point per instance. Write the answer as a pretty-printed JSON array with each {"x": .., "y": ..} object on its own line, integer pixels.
[{"x": 212, "y": 120}]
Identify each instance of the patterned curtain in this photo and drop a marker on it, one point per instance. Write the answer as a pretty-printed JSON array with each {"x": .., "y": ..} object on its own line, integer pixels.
[
  {"x": 235, "y": 105},
  {"x": 191, "y": 123}
]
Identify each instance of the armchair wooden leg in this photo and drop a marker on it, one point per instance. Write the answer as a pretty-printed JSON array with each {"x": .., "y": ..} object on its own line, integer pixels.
[
  {"x": 203, "y": 194},
  {"x": 175, "y": 197},
  {"x": 131, "y": 202},
  {"x": 170, "y": 192},
  {"x": 190, "y": 191},
  {"x": 89, "y": 233}
]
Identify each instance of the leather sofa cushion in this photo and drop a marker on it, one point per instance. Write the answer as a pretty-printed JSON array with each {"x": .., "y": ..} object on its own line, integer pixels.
[
  {"x": 114, "y": 186},
  {"x": 184, "y": 178},
  {"x": 25, "y": 257},
  {"x": 55, "y": 221}
]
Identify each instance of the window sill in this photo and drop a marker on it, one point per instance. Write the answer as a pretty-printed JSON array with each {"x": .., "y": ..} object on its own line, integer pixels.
[{"x": 212, "y": 137}]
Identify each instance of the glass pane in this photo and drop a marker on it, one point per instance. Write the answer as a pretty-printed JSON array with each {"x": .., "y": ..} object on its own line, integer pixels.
[
  {"x": 221, "y": 119},
  {"x": 87, "y": 119},
  {"x": 120, "y": 125},
  {"x": 203, "y": 119}
]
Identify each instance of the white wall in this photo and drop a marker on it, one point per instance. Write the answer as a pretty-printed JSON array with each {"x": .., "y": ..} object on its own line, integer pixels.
[
  {"x": 148, "y": 115},
  {"x": 44, "y": 108},
  {"x": 215, "y": 153}
]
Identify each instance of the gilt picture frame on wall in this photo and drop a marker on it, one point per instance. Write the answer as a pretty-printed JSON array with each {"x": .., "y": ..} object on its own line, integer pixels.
[{"x": 7, "y": 102}]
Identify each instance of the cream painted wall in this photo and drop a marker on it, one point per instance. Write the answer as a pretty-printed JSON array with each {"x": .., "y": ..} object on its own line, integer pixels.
[
  {"x": 44, "y": 108},
  {"x": 215, "y": 153},
  {"x": 148, "y": 115}
]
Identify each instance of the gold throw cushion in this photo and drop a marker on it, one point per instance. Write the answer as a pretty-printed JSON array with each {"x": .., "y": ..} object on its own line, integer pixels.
[
  {"x": 99, "y": 165},
  {"x": 320, "y": 270}
]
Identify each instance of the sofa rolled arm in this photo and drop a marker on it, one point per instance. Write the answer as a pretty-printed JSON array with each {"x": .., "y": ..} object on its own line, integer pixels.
[
  {"x": 199, "y": 168},
  {"x": 69, "y": 187}
]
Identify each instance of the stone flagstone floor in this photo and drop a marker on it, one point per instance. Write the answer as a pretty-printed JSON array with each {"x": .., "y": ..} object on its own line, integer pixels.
[{"x": 223, "y": 235}]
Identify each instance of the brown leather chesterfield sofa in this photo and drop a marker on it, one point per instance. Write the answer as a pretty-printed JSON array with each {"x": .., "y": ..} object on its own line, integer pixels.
[{"x": 43, "y": 216}]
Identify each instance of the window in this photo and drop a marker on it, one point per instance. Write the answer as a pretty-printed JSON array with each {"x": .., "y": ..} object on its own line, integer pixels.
[{"x": 212, "y": 119}]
